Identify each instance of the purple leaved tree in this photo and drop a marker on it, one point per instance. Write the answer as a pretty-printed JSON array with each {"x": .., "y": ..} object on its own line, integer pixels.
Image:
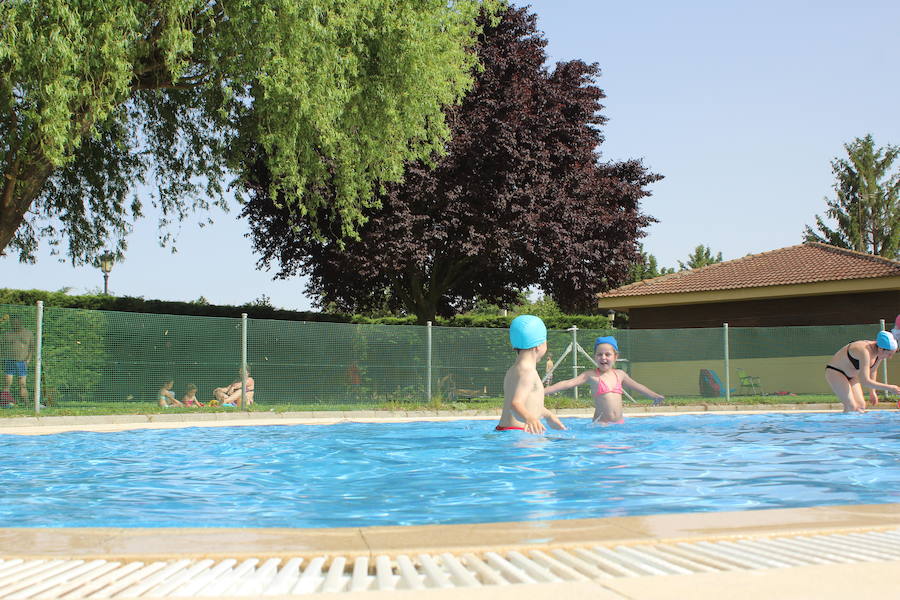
[{"x": 521, "y": 198}]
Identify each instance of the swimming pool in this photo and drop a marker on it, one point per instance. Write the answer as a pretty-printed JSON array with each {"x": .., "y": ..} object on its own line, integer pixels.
[{"x": 362, "y": 474}]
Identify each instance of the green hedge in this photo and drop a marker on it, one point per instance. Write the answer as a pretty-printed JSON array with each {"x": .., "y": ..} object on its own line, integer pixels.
[
  {"x": 255, "y": 311},
  {"x": 139, "y": 305}
]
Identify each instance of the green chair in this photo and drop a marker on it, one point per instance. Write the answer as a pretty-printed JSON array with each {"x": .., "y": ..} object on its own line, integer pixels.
[{"x": 750, "y": 383}]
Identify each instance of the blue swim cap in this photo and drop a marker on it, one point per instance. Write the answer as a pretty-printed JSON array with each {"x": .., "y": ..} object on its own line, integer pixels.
[
  {"x": 886, "y": 341},
  {"x": 527, "y": 331},
  {"x": 607, "y": 339}
]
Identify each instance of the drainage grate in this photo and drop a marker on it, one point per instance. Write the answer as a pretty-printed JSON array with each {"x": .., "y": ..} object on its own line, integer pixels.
[{"x": 77, "y": 579}]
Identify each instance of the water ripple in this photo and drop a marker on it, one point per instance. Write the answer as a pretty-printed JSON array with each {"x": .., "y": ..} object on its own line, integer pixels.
[{"x": 354, "y": 474}]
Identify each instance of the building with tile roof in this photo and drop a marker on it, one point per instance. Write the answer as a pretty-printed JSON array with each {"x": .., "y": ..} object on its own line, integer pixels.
[{"x": 807, "y": 284}]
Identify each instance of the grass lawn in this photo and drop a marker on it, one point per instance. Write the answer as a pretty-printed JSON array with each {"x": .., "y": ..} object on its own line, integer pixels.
[{"x": 485, "y": 404}]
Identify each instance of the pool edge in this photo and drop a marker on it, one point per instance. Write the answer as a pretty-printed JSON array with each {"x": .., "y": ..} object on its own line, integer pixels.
[
  {"x": 111, "y": 423},
  {"x": 171, "y": 543}
]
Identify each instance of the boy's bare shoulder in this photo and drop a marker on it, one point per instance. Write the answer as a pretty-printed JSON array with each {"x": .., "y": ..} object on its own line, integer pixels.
[
  {"x": 519, "y": 374},
  {"x": 518, "y": 368}
]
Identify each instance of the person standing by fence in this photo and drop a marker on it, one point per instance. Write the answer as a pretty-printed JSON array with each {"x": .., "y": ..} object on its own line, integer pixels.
[{"x": 17, "y": 346}]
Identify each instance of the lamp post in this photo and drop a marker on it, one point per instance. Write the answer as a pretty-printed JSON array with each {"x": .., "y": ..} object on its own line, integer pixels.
[{"x": 106, "y": 265}]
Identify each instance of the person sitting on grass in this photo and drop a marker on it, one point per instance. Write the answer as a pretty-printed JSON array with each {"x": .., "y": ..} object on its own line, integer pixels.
[
  {"x": 230, "y": 395},
  {"x": 606, "y": 383},
  {"x": 166, "y": 398},
  {"x": 855, "y": 365},
  {"x": 190, "y": 396}
]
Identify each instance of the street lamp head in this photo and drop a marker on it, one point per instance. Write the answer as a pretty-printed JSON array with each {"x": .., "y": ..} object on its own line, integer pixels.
[{"x": 106, "y": 262}]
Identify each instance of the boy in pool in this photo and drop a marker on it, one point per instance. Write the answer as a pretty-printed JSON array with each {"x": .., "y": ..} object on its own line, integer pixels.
[
  {"x": 606, "y": 382},
  {"x": 523, "y": 392}
]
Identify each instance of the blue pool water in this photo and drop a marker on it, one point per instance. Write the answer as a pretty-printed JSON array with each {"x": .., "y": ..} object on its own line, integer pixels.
[{"x": 356, "y": 474}]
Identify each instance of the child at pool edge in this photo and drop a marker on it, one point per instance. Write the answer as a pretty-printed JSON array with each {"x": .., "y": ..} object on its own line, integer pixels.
[
  {"x": 523, "y": 391},
  {"x": 606, "y": 382}
]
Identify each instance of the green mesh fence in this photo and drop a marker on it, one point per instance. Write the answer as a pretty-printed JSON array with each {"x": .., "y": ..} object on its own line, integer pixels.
[{"x": 122, "y": 360}]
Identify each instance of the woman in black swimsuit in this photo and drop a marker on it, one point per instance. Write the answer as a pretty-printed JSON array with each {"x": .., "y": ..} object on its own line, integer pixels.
[{"x": 855, "y": 365}]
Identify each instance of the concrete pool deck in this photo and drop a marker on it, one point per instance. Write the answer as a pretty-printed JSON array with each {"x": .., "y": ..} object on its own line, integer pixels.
[
  {"x": 351, "y": 542},
  {"x": 876, "y": 576},
  {"x": 187, "y": 553}
]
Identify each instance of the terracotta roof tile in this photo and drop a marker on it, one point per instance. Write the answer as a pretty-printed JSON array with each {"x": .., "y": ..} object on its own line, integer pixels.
[{"x": 805, "y": 263}]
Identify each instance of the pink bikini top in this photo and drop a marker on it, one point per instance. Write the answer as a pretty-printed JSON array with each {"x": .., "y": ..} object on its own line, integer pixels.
[{"x": 602, "y": 387}]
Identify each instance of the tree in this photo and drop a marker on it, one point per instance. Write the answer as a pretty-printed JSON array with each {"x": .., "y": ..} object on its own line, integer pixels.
[
  {"x": 865, "y": 208},
  {"x": 99, "y": 95},
  {"x": 700, "y": 257},
  {"x": 520, "y": 199},
  {"x": 646, "y": 267}
]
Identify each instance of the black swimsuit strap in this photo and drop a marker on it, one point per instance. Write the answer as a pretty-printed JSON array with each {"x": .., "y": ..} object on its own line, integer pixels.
[
  {"x": 853, "y": 361},
  {"x": 850, "y": 379}
]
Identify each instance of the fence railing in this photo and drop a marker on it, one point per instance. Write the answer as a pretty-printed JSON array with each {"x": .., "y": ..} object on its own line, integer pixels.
[{"x": 79, "y": 357}]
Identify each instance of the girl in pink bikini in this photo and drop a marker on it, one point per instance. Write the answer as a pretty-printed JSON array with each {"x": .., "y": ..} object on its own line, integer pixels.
[{"x": 606, "y": 382}]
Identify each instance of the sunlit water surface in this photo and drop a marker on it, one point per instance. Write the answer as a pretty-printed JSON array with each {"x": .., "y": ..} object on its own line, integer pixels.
[{"x": 361, "y": 474}]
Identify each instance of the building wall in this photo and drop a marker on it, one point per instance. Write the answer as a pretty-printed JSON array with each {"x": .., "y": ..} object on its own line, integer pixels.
[
  {"x": 837, "y": 309},
  {"x": 798, "y": 375}
]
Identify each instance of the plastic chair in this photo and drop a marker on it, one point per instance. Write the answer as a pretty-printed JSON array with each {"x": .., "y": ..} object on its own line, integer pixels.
[{"x": 749, "y": 382}]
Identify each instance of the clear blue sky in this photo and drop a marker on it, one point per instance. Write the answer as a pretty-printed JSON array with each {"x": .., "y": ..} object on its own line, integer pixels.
[{"x": 740, "y": 105}]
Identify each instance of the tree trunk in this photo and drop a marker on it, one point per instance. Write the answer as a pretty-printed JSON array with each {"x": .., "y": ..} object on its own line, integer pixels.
[
  {"x": 18, "y": 194},
  {"x": 425, "y": 290},
  {"x": 426, "y": 312}
]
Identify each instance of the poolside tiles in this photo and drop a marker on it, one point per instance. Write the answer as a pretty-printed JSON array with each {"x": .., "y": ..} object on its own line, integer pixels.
[{"x": 618, "y": 567}]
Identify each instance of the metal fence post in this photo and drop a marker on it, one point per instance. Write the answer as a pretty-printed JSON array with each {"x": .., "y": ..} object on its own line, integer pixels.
[
  {"x": 884, "y": 362},
  {"x": 244, "y": 362},
  {"x": 38, "y": 348},
  {"x": 727, "y": 369},
  {"x": 574, "y": 330},
  {"x": 428, "y": 361}
]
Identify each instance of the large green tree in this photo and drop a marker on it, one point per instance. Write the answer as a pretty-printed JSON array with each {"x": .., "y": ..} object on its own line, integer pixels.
[
  {"x": 865, "y": 206},
  {"x": 521, "y": 198},
  {"x": 646, "y": 267},
  {"x": 700, "y": 257},
  {"x": 97, "y": 96}
]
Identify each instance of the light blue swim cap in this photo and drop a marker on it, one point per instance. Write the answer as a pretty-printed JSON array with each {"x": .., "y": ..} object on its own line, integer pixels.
[
  {"x": 527, "y": 331},
  {"x": 607, "y": 339},
  {"x": 886, "y": 341}
]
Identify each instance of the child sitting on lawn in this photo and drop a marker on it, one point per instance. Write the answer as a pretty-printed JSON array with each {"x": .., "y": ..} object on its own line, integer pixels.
[
  {"x": 165, "y": 398},
  {"x": 190, "y": 396}
]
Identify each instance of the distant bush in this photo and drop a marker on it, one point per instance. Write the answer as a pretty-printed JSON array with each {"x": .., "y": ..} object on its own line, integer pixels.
[{"x": 256, "y": 310}]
